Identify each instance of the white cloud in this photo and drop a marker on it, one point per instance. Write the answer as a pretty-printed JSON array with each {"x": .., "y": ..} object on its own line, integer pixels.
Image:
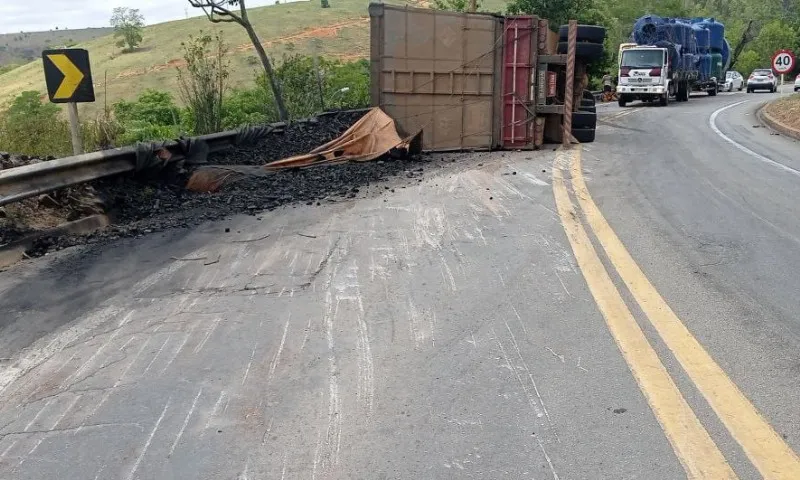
[{"x": 42, "y": 15}]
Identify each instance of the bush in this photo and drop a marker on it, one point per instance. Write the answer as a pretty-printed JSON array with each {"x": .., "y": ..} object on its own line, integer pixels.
[
  {"x": 34, "y": 128},
  {"x": 153, "y": 116},
  {"x": 248, "y": 107},
  {"x": 345, "y": 85},
  {"x": 202, "y": 82}
]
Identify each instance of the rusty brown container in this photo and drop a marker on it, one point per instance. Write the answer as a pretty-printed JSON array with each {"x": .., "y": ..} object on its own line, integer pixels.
[{"x": 439, "y": 72}]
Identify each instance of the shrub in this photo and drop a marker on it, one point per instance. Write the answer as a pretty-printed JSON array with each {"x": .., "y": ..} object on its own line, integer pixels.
[
  {"x": 344, "y": 85},
  {"x": 153, "y": 116},
  {"x": 248, "y": 107},
  {"x": 202, "y": 83},
  {"x": 35, "y": 128}
]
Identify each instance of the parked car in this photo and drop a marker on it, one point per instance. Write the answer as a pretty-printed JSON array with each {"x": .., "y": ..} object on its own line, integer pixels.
[
  {"x": 797, "y": 84},
  {"x": 762, "y": 79},
  {"x": 734, "y": 81}
]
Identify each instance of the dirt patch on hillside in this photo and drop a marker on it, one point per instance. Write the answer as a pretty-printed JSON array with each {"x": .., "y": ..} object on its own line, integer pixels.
[{"x": 786, "y": 111}]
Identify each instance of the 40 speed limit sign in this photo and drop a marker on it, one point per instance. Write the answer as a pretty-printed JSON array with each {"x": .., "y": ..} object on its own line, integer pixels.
[{"x": 783, "y": 62}]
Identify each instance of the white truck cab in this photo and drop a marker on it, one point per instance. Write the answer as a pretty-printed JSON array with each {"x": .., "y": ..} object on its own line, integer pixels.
[{"x": 644, "y": 75}]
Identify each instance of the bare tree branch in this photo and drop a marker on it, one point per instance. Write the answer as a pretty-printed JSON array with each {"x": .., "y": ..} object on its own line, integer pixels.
[{"x": 216, "y": 11}]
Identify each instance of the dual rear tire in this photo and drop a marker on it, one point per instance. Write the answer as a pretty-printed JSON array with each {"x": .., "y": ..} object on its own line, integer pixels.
[{"x": 584, "y": 121}]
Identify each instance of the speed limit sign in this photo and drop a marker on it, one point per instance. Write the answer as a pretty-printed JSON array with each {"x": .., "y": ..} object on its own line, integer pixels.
[{"x": 783, "y": 62}]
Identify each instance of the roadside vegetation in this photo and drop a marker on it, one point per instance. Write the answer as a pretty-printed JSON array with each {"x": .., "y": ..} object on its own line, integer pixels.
[
  {"x": 194, "y": 76},
  {"x": 205, "y": 103},
  {"x": 128, "y": 25}
]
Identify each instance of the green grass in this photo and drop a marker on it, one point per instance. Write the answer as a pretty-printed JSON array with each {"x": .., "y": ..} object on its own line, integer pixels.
[{"x": 340, "y": 31}]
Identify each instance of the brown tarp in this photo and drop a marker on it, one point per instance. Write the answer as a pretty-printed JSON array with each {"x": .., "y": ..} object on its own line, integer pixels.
[{"x": 371, "y": 137}]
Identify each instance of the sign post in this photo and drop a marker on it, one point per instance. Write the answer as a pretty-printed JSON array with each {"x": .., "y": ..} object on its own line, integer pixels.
[
  {"x": 783, "y": 62},
  {"x": 69, "y": 80}
]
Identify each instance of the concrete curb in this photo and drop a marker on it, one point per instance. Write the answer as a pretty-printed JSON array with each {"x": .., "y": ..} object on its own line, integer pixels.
[{"x": 774, "y": 124}]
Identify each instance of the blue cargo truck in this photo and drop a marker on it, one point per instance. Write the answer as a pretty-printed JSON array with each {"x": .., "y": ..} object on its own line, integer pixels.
[{"x": 672, "y": 57}]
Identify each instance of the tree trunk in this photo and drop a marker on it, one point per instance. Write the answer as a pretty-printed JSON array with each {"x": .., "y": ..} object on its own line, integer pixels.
[
  {"x": 276, "y": 88},
  {"x": 742, "y": 43}
]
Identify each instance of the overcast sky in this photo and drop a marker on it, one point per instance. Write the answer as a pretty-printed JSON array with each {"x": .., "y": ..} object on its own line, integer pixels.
[{"x": 42, "y": 15}]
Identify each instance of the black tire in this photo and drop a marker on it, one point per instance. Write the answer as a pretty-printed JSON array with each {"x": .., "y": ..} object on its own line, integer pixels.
[
  {"x": 664, "y": 100},
  {"x": 683, "y": 92},
  {"x": 622, "y": 101},
  {"x": 588, "y": 95},
  {"x": 584, "y": 135},
  {"x": 749, "y": 90},
  {"x": 587, "y": 52},
  {"x": 712, "y": 92},
  {"x": 587, "y": 103},
  {"x": 586, "y": 33},
  {"x": 581, "y": 119},
  {"x": 592, "y": 109}
]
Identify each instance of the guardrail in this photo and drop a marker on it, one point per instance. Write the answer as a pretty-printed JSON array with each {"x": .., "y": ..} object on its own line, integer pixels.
[
  {"x": 27, "y": 181},
  {"x": 30, "y": 180}
]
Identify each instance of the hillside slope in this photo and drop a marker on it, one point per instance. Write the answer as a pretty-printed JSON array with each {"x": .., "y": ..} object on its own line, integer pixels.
[
  {"x": 341, "y": 31},
  {"x": 23, "y": 47}
]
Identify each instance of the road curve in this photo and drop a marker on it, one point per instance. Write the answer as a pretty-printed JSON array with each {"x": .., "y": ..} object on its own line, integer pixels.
[
  {"x": 703, "y": 197},
  {"x": 485, "y": 322}
]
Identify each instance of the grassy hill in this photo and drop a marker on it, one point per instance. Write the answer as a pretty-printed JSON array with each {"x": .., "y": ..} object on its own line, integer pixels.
[
  {"x": 341, "y": 31},
  {"x": 23, "y": 47}
]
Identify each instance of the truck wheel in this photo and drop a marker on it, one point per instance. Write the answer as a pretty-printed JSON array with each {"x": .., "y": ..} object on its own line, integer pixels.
[
  {"x": 584, "y": 135},
  {"x": 713, "y": 92},
  {"x": 622, "y": 101},
  {"x": 581, "y": 119},
  {"x": 664, "y": 100},
  {"x": 592, "y": 109},
  {"x": 586, "y": 33},
  {"x": 588, "y": 52}
]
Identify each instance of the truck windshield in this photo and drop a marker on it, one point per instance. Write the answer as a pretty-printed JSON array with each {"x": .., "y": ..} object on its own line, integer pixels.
[{"x": 642, "y": 58}]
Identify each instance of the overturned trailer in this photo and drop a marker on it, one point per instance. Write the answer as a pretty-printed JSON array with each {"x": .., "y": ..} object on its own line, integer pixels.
[{"x": 470, "y": 81}]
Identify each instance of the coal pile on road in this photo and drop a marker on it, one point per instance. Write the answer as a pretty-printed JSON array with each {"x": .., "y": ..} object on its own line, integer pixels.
[
  {"x": 298, "y": 138},
  {"x": 138, "y": 206}
]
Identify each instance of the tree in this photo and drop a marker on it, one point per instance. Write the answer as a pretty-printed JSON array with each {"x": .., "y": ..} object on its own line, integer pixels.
[
  {"x": 128, "y": 25},
  {"x": 455, "y": 5},
  {"x": 218, "y": 11},
  {"x": 558, "y": 12}
]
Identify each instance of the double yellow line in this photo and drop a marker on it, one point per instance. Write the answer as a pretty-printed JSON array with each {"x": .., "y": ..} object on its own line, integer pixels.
[{"x": 694, "y": 447}]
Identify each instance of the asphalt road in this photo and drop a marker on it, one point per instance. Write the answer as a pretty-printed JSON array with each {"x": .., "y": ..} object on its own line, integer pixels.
[{"x": 479, "y": 324}]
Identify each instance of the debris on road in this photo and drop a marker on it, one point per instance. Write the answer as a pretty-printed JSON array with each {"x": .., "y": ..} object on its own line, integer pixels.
[
  {"x": 371, "y": 137},
  {"x": 47, "y": 210},
  {"x": 138, "y": 206}
]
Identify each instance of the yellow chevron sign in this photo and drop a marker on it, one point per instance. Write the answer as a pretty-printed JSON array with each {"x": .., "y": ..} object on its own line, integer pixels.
[{"x": 68, "y": 75}]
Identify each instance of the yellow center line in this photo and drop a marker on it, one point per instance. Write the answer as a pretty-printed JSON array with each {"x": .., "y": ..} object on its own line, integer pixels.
[
  {"x": 771, "y": 455},
  {"x": 691, "y": 442}
]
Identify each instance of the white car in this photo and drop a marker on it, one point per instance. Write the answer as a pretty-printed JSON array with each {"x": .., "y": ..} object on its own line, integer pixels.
[
  {"x": 734, "y": 81},
  {"x": 762, "y": 79},
  {"x": 797, "y": 84}
]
